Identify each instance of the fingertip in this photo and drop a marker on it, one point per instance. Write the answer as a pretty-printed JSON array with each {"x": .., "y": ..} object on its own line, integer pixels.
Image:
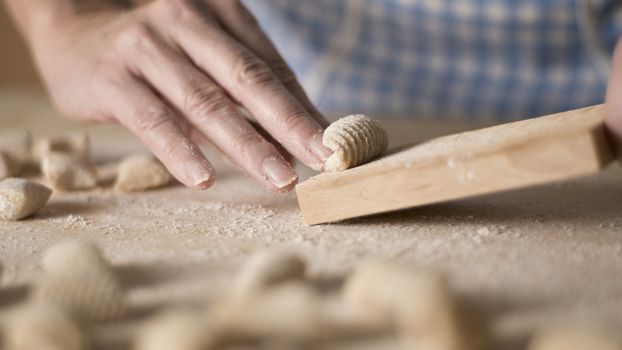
[
  {"x": 319, "y": 151},
  {"x": 200, "y": 174},
  {"x": 205, "y": 184},
  {"x": 279, "y": 174}
]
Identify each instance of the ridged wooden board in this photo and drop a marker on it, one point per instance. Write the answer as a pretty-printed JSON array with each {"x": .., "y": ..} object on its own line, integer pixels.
[{"x": 502, "y": 157}]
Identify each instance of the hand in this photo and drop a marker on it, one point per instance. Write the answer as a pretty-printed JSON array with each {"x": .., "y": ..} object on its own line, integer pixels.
[
  {"x": 613, "y": 104},
  {"x": 177, "y": 71}
]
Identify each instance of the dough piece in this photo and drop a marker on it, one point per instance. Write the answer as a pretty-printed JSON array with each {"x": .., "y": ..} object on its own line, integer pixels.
[
  {"x": 141, "y": 172},
  {"x": 67, "y": 172},
  {"x": 78, "y": 145},
  {"x": 40, "y": 326},
  {"x": 80, "y": 281},
  {"x": 570, "y": 338},
  {"x": 20, "y": 198},
  {"x": 418, "y": 303},
  {"x": 17, "y": 143},
  {"x": 268, "y": 268},
  {"x": 9, "y": 167},
  {"x": 176, "y": 329},
  {"x": 354, "y": 140}
]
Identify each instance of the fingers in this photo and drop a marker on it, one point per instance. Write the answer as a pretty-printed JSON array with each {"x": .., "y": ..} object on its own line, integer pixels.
[
  {"x": 208, "y": 108},
  {"x": 243, "y": 26},
  {"x": 282, "y": 151},
  {"x": 250, "y": 80},
  {"x": 613, "y": 105},
  {"x": 141, "y": 111}
]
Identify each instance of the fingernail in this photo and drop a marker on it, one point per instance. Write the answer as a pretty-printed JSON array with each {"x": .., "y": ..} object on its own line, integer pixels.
[
  {"x": 200, "y": 173},
  {"x": 279, "y": 172},
  {"x": 318, "y": 149}
]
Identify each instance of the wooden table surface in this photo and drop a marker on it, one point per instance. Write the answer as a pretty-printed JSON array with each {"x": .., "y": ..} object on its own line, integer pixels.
[{"x": 529, "y": 257}]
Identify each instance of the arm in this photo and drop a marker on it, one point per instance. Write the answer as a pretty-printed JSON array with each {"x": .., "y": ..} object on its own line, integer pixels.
[{"x": 175, "y": 72}]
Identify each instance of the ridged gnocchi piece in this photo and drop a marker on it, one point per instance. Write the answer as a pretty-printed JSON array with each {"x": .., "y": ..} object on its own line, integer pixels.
[
  {"x": 41, "y": 326},
  {"x": 68, "y": 172},
  {"x": 141, "y": 172},
  {"x": 419, "y": 304},
  {"x": 176, "y": 329},
  {"x": 268, "y": 268},
  {"x": 20, "y": 198},
  {"x": 354, "y": 140},
  {"x": 79, "y": 280}
]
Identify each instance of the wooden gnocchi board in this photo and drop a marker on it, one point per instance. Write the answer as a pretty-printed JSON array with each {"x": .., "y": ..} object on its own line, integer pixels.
[{"x": 502, "y": 157}]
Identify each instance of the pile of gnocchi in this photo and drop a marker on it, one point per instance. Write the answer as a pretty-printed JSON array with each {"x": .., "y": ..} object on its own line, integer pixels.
[{"x": 65, "y": 164}]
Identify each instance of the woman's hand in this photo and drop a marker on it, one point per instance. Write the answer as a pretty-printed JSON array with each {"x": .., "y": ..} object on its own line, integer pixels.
[{"x": 176, "y": 71}]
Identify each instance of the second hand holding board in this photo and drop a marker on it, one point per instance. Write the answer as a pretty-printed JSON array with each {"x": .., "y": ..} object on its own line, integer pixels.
[{"x": 502, "y": 157}]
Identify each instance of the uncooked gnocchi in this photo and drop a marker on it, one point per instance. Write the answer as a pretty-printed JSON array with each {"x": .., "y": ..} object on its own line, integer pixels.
[
  {"x": 20, "y": 198},
  {"x": 418, "y": 303},
  {"x": 267, "y": 268},
  {"x": 354, "y": 140},
  {"x": 141, "y": 172},
  {"x": 9, "y": 166},
  {"x": 77, "y": 145},
  {"x": 17, "y": 143},
  {"x": 79, "y": 280},
  {"x": 67, "y": 172},
  {"x": 40, "y": 326}
]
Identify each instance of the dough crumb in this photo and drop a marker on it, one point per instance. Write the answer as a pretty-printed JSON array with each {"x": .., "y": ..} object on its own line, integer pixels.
[
  {"x": 20, "y": 198},
  {"x": 40, "y": 326},
  {"x": 354, "y": 140},
  {"x": 68, "y": 172},
  {"x": 268, "y": 268},
  {"x": 418, "y": 303},
  {"x": 141, "y": 172},
  {"x": 80, "y": 281},
  {"x": 575, "y": 338}
]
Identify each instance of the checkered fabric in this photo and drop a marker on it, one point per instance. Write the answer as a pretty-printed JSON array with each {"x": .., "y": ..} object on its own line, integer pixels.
[{"x": 502, "y": 59}]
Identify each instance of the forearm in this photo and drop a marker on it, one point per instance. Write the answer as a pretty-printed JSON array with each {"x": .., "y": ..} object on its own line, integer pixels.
[{"x": 35, "y": 17}]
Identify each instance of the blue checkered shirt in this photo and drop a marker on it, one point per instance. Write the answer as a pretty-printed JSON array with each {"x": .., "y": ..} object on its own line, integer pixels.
[{"x": 502, "y": 59}]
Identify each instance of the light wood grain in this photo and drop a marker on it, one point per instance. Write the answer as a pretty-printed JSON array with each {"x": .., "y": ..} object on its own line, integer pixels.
[{"x": 503, "y": 157}]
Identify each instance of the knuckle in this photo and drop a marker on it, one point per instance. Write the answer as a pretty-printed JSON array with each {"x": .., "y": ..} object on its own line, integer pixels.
[
  {"x": 169, "y": 146},
  {"x": 153, "y": 119},
  {"x": 185, "y": 11},
  {"x": 246, "y": 142},
  {"x": 250, "y": 70},
  {"x": 203, "y": 100},
  {"x": 135, "y": 36},
  {"x": 294, "y": 121}
]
